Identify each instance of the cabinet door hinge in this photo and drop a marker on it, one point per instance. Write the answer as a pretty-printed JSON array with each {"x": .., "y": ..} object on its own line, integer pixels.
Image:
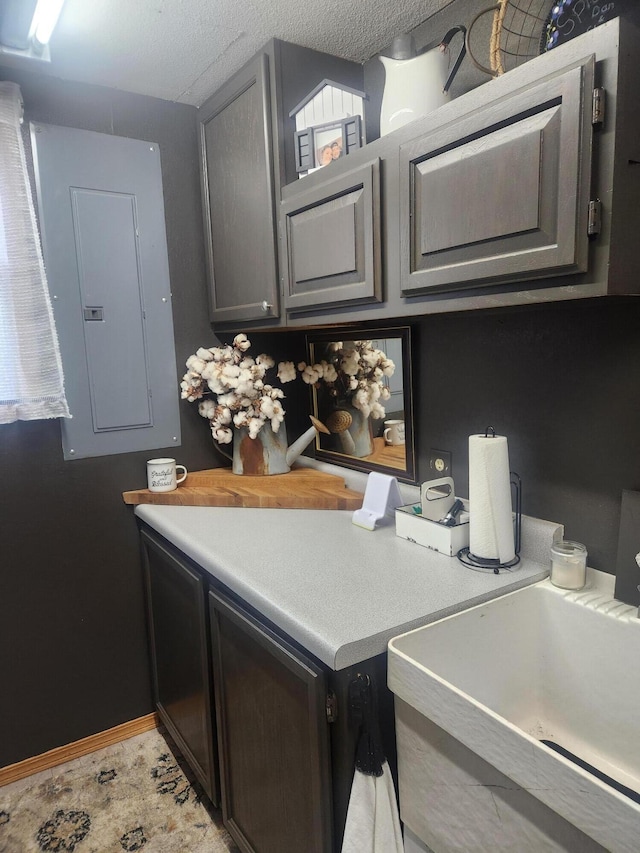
[
  {"x": 595, "y": 218},
  {"x": 331, "y": 706},
  {"x": 597, "y": 106}
]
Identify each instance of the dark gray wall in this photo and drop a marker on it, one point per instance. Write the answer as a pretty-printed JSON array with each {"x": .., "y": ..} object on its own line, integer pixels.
[
  {"x": 561, "y": 382},
  {"x": 72, "y": 632}
]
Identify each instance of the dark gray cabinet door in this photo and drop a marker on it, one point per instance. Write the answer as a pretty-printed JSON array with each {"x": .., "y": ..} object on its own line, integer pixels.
[
  {"x": 331, "y": 234},
  {"x": 177, "y": 616},
  {"x": 500, "y": 193},
  {"x": 238, "y": 197},
  {"x": 273, "y": 737}
]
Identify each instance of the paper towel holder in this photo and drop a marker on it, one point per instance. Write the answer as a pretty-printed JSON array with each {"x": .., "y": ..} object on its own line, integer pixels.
[{"x": 486, "y": 564}]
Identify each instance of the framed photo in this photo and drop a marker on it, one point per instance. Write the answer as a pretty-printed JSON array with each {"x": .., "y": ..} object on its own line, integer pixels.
[
  {"x": 320, "y": 145},
  {"x": 328, "y": 143}
]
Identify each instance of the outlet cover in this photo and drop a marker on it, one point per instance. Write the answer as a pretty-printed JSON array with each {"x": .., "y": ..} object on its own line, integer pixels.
[
  {"x": 627, "y": 570},
  {"x": 439, "y": 463}
]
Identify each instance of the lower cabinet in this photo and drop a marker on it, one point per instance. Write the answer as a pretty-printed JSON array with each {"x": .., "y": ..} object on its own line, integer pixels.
[
  {"x": 274, "y": 737},
  {"x": 281, "y": 738},
  {"x": 180, "y": 660}
]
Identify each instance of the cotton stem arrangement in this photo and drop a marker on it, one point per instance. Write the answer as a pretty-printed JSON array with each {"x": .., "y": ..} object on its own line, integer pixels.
[
  {"x": 233, "y": 390},
  {"x": 353, "y": 371}
]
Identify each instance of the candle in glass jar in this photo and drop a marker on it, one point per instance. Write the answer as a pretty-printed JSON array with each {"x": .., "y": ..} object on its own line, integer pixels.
[{"x": 568, "y": 564}]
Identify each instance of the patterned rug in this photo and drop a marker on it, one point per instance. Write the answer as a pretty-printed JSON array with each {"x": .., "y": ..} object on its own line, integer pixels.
[{"x": 128, "y": 797}]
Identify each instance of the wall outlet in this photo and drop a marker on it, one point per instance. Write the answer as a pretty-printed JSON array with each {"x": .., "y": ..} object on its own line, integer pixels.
[{"x": 440, "y": 463}]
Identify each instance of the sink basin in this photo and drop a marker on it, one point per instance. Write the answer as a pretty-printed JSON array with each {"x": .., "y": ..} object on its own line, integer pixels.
[{"x": 540, "y": 664}]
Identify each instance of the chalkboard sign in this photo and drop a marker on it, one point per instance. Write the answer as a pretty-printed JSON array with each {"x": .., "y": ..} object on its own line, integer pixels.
[{"x": 570, "y": 18}]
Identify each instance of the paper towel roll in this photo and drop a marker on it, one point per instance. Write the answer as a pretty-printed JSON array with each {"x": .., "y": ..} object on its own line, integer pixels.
[{"x": 491, "y": 520}]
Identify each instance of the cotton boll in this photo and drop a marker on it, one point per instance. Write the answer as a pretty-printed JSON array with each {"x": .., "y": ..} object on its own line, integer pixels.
[
  {"x": 309, "y": 375},
  {"x": 227, "y": 400},
  {"x": 265, "y": 361},
  {"x": 255, "y": 425},
  {"x": 274, "y": 393},
  {"x": 222, "y": 435},
  {"x": 370, "y": 358},
  {"x": 361, "y": 402},
  {"x": 246, "y": 389},
  {"x": 329, "y": 373},
  {"x": 230, "y": 371},
  {"x": 207, "y": 409},
  {"x": 350, "y": 363},
  {"x": 286, "y": 371},
  {"x": 196, "y": 364},
  {"x": 211, "y": 370},
  {"x": 217, "y": 386},
  {"x": 267, "y": 406},
  {"x": 204, "y": 353},
  {"x": 278, "y": 415},
  {"x": 377, "y": 411},
  {"x": 223, "y": 415},
  {"x": 241, "y": 342}
]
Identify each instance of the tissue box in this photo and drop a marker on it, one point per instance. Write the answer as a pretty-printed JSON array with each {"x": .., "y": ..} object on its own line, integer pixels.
[{"x": 411, "y": 525}]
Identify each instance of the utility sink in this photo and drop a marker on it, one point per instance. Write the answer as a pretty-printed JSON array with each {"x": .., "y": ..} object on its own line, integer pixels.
[{"x": 536, "y": 668}]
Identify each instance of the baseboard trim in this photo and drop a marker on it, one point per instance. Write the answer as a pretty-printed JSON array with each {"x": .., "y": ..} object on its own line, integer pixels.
[{"x": 61, "y": 754}]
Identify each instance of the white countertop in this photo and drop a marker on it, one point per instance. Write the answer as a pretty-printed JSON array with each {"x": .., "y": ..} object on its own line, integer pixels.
[{"x": 340, "y": 591}]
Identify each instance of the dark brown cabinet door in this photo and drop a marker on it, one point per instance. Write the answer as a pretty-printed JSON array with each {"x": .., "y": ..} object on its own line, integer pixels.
[
  {"x": 501, "y": 193},
  {"x": 238, "y": 197},
  {"x": 176, "y": 599},
  {"x": 331, "y": 234},
  {"x": 273, "y": 737}
]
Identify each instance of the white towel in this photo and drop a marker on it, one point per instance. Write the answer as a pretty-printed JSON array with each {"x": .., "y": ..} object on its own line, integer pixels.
[{"x": 373, "y": 824}]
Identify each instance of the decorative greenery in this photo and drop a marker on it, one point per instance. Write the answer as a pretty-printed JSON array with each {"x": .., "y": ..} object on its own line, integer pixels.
[{"x": 232, "y": 390}]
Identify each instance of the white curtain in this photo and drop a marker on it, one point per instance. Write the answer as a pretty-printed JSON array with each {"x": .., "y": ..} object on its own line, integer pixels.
[{"x": 31, "y": 379}]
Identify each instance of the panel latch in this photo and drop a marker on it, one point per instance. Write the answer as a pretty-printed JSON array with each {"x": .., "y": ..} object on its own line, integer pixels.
[{"x": 93, "y": 313}]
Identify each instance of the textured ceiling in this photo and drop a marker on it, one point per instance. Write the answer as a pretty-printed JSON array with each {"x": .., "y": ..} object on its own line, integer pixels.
[{"x": 183, "y": 50}]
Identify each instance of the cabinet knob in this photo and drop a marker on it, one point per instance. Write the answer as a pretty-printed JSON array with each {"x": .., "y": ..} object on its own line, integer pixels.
[{"x": 266, "y": 306}]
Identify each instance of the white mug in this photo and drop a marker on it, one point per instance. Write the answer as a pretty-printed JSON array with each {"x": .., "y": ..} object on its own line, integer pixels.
[
  {"x": 161, "y": 475},
  {"x": 394, "y": 432}
]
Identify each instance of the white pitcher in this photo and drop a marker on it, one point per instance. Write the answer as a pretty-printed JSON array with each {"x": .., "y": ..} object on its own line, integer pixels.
[{"x": 417, "y": 84}]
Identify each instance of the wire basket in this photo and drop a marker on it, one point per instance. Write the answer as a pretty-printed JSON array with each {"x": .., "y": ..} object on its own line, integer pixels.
[{"x": 517, "y": 33}]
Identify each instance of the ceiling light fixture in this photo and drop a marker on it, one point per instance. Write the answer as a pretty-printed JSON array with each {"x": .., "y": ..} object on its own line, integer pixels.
[
  {"x": 44, "y": 21},
  {"x": 26, "y": 27}
]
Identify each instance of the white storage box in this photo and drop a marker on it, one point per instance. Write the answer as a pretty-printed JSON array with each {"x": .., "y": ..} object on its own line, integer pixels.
[{"x": 411, "y": 525}]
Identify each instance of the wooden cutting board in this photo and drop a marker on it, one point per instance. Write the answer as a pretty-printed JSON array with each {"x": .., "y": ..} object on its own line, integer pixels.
[{"x": 301, "y": 488}]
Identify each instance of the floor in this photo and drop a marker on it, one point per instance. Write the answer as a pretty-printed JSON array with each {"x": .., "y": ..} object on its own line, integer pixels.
[{"x": 132, "y": 796}]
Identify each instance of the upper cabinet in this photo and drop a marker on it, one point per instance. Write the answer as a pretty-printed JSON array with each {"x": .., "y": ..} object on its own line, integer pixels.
[
  {"x": 247, "y": 155},
  {"x": 238, "y": 193},
  {"x": 522, "y": 191},
  {"x": 525, "y": 190},
  {"x": 331, "y": 242},
  {"x": 502, "y": 194}
]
